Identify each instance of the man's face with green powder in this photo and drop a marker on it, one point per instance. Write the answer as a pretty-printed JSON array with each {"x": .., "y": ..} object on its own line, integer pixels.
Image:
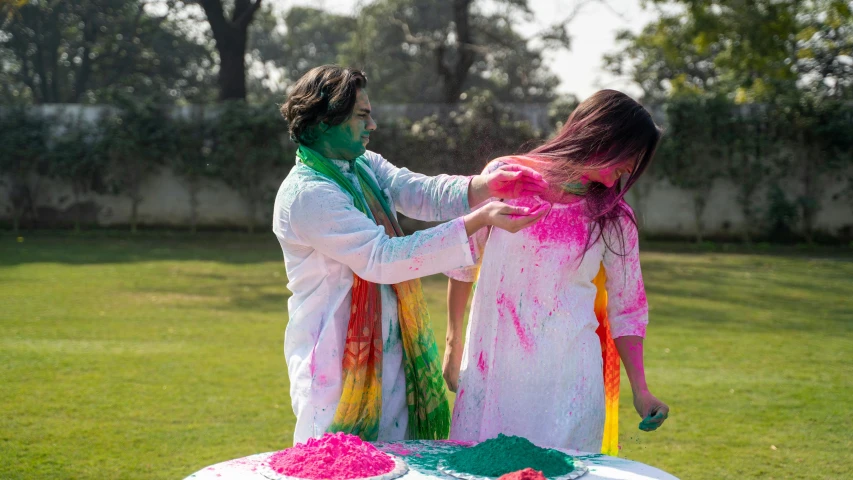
[{"x": 349, "y": 139}]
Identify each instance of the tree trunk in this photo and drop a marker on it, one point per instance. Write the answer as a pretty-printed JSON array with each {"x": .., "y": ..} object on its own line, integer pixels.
[
  {"x": 193, "y": 184},
  {"x": 641, "y": 189},
  {"x": 78, "y": 213},
  {"x": 135, "y": 200},
  {"x": 746, "y": 236},
  {"x": 231, "y": 38},
  {"x": 90, "y": 33},
  {"x": 454, "y": 76},
  {"x": 252, "y": 205},
  {"x": 699, "y": 201},
  {"x": 232, "y": 68},
  {"x": 16, "y": 221}
]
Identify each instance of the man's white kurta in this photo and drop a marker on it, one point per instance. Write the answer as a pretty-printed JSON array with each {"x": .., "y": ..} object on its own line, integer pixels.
[{"x": 325, "y": 239}]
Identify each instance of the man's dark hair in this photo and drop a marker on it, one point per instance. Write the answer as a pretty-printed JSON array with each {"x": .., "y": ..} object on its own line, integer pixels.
[{"x": 324, "y": 94}]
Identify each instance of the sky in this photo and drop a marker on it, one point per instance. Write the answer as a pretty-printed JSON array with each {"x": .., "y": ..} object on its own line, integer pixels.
[{"x": 593, "y": 34}]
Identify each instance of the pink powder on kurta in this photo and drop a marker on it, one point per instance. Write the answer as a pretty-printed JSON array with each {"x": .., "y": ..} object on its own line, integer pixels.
[
  {"x": 506, "y": 303},
  {"x": 566, "y": 224},
  {"x": 337, "y": 456},
  {"x": 481, "y": 363}
]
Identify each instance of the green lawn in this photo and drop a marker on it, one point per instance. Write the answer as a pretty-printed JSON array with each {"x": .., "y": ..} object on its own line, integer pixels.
[{"x": 155, "y": 356}]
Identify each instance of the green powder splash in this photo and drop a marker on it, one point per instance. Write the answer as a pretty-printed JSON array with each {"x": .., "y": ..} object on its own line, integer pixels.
[{"x": 507, "y": 454}]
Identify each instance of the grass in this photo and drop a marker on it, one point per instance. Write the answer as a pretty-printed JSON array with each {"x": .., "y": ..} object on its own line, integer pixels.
[{"x": 155, "y": 356}]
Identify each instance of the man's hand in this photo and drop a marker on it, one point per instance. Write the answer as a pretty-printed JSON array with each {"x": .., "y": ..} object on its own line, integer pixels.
[
  {"x": 505, "y": 217},
  {"x": 508, "y": 181}
]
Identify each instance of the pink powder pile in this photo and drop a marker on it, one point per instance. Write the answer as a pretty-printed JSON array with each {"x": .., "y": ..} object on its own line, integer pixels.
[{"x": 337, "y": 456}]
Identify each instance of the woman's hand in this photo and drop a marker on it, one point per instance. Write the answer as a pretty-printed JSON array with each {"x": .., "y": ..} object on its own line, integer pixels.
[
  {"x": 508, "y": 181},
  {"x": 505, "y": 217},
  {"x": 653, "y": 411},
  {"x": 451, "y": 364}
]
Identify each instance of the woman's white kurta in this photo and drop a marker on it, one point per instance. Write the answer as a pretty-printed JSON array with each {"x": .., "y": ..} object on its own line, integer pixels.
[
  {"x": 532, "y": 362},
  {"x": 325, "y": 239}
]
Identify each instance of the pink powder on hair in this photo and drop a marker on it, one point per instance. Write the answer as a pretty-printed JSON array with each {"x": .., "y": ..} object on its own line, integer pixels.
[{"x": 335, "y": 456}]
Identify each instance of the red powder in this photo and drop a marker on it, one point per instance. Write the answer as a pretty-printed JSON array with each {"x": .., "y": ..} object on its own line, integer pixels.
[
  {"x": 526, "y": 474},
  {"x": 337, "y": 456}
]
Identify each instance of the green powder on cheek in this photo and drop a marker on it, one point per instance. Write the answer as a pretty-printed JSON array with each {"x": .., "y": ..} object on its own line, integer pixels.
[{"x": 502, "y": 455}]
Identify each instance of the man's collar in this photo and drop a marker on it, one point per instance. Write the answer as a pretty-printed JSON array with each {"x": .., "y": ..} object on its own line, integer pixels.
[{"x": 346, "y": 166}]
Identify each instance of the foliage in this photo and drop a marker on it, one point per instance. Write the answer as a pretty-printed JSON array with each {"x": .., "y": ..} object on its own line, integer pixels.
[
  {"x": 75, "y": 158},
  {"x": 812, "y": 127},
  {"x": 23, "y": 160},
  {"x": 457, "y": 140},
  {"x": 283, "y": 49},
  {"x": 692, "y": 155},
  {"x": 248, "y": 151},
  {"x": 750, "y": 51},
  {"x": 424, "y": 51},
  {"x": 560, "y": 109},
  {"x": 89, "y": 51},
  {"x": 136, "y": 140},
  {"x": 189, "y": 154}
]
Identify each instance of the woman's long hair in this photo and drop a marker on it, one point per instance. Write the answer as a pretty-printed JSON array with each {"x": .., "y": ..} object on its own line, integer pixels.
[{"x": 602, "y": 132}]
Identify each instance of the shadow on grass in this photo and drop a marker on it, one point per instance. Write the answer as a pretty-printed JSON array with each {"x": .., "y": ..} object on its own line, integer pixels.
[
  {"x": 750, "y": 293},
  {"x": 110, "y": 247}
]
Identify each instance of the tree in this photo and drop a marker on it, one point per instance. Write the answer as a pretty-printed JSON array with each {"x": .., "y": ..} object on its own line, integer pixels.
[
  {"x": 23, "y": 160},
  {"x": 75, "y": 158},
  {"x": 825, "y": 46},
  {"x": 692, "y": 155},
  {"x": 753, "y": 155},
  {"x": 189, "y": 153},
  {"x": 461, "y": 140},
  {"x": 231, "y": 31},
  {"x": 811, "y": 126},
  {"x": 248, "y": 151},
  {"x": 136, "y": 141},
  {"x": 753, "y": 51},
  {"x": 282, "y": 50},
  {"x": 435, "y": 51},
  {"x": 88, "y": 51}
]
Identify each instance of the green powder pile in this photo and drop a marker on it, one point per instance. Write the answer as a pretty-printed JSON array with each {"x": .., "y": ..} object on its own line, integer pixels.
[{"x": 502, "y": 455}]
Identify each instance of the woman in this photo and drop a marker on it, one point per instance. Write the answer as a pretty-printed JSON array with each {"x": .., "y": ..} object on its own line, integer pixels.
[{"x": 533, "y": 359}]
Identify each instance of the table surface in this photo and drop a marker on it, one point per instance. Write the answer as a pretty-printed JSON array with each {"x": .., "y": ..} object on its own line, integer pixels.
[{"x": 601, "y": 467}]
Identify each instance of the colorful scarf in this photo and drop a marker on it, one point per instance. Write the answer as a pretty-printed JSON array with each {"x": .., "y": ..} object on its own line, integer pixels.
[
  {"x": 360, "y": 407},
  {"x": 610, "y": 443}
]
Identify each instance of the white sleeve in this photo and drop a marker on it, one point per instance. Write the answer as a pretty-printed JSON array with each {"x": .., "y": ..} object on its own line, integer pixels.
[
  {"x": 627, "y": 307},
  {"x": 431, "y": 199},
  {"x": 477, "y": 244},
  {"x": 324, "y": 218}
]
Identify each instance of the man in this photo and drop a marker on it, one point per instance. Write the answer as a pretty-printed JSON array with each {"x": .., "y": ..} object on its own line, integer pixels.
[{"x": 360, "y": 353}]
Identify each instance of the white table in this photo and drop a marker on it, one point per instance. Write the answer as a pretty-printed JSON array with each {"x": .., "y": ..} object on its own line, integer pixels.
[{"x": 601, "y": 467}]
